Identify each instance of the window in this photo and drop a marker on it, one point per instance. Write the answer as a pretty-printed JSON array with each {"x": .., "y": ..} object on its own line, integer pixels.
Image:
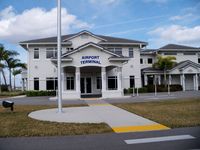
[
  {"x": 118, "y": 51},
  {"x": 132, "y": 81},
  {"x": 112, "y": 82},
  {"x": 51, "y": 83},
  {"x": 131, "y": 53},
  {"x": 69, "y": 49},
  {"x": 111, "y": 49},
  {"x": 36, "y": 53},
  {"x": 199, "y": 60},
  {"x": 51, "y": 53},
  {"x": 189, "y": 53},
  {"x": 36, "y": 83},
  {"x": 150, "y": 60},
  {"x": 99, "y": 83},
  {"x": 141, "y": 61},
  {"x": 170, "y": 53},
  {"x": 70, "y": 83}
]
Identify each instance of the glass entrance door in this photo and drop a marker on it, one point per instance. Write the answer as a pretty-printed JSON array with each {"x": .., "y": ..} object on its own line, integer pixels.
[{"x": 86, "y": 85}]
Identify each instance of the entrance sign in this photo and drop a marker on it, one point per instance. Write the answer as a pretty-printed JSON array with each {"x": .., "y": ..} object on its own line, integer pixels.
[{"x": 90, "y": 60}]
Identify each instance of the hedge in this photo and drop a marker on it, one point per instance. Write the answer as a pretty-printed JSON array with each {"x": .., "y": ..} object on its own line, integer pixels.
[{"x": 40, "y": 93}]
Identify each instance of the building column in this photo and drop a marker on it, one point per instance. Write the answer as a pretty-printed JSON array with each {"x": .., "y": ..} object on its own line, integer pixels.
[
  {"x": 170, "y": 79},
  {"x": 145, "y": 80},
  {"x": 159, "y": 79},
  {"x": 119, "y": 79},
  {"x": 23, "y": 84},
  {"x": 183, "y": 82},
  {"x": 103, "y": 81},
  {"x": 197, "y": 82},
  {"x": 78, "y": 80}
]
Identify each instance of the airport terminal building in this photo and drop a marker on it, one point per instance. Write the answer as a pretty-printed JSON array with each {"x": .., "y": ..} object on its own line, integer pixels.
[{"x": 98, "y": 65}]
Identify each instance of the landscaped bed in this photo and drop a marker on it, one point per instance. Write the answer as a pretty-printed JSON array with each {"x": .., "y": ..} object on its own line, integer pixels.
[
  {"x": 18, "y": 123},
  {"x": 172, "y": 113}
]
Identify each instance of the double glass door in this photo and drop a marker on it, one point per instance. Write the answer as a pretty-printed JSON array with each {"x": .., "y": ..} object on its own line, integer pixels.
[{"x": 86, "y": 85}]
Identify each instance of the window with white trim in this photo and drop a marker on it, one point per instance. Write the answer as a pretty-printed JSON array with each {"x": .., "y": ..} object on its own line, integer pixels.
[
  {"x": 132, "y": 81},
  {"x": 112, "y": 82},
  {"x": 51, "y": 83},
  {"x": 36, "y": 84},
  {"x": 131, "y": 53},
  {"x": 116, "y": 50},
  {"x": 70, "y": 83},
  {"x": 36, "y": 53},
  {"x": 150, "y": 61},
  {"x": 51, "y": 53}
]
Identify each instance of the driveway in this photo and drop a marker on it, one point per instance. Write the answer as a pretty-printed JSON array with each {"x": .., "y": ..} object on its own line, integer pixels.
[{"x": 44, "y": 100}]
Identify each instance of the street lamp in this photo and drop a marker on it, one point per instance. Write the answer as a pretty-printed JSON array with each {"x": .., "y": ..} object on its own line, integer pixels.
[{"x": 59, "y": 55}]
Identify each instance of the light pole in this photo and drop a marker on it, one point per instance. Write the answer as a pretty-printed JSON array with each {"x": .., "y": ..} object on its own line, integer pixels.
[{"x": 59, "y": 55}]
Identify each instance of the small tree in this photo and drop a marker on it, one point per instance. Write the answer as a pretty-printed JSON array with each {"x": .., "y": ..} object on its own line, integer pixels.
[{"x": 164, "y": 63}]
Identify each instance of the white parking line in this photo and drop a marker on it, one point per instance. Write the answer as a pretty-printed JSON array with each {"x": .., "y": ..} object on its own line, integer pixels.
[{"x": 159, "y": 139}]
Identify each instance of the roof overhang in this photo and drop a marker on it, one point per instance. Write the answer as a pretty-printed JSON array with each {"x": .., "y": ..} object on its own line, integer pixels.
[{"x": 27, "y": 45}]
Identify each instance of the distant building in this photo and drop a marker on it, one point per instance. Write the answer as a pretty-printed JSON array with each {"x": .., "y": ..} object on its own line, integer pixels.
[{"x": 102, "y": 65}]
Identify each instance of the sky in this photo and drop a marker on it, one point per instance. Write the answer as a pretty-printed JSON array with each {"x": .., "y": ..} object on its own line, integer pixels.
[{"x": 157, "y": 22}]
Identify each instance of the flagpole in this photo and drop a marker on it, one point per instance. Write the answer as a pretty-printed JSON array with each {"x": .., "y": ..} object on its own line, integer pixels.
[{"x": 59, "y": 55}]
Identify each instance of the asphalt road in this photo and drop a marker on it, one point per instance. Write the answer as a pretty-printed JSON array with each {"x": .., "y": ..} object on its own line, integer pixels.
[
  {"x": 141, "y": 98},
  {"x": 110, "y": 141}
]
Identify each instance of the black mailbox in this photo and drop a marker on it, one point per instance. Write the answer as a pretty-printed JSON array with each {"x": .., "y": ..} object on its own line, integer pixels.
[{"x": 8, "y": 104}]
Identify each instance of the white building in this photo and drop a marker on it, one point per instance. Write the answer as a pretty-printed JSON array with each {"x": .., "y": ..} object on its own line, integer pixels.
[{"x": 97, "y": 65}]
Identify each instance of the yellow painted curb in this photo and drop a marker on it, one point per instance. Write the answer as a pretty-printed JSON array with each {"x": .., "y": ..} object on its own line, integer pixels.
[{"x": 140, "y": 128}]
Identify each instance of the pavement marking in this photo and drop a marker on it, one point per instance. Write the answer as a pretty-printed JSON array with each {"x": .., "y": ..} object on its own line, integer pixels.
[
  {"x": 159, "y": 139},
  {"x": 140, "y": 128}
]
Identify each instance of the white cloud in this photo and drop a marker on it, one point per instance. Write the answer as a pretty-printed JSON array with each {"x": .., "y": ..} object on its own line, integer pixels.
[
  {"x": 178, "y": 33},
  {"x": 187, "y": 17},
  {"x": 34, "y": 23},
  {"x": 104, "y": 2}
]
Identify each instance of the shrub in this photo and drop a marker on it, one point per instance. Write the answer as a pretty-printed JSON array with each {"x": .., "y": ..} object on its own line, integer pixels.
[
  {"x": 176, "y": 87},
  {"x": 125, "y": 91},
  {"x": 4, "y": 88},
  {"x": 40, "y": 93}
]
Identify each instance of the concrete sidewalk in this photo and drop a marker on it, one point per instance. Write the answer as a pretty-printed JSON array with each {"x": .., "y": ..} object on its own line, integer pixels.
[{"x": 99, "y": 111}]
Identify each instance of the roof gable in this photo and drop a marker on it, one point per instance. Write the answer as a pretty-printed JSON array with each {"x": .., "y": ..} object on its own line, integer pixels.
[
  {"x": 84, "y": 32},
  {"x": 185, "y": 64},
  {"x": 87, "y": 45}
]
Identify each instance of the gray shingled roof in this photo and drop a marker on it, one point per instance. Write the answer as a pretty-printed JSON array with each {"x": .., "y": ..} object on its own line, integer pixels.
[
  {"x": 148, "y": 51},
  {"x": 175, "y": 46},
  {"x": 108, "y": 39}
]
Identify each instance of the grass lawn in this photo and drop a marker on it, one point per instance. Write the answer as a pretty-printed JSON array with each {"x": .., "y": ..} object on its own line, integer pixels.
[
  {"x": 18, "y": 123},
  {"x": 10, "y": 94},
  {"x": 172, "y": 113}
]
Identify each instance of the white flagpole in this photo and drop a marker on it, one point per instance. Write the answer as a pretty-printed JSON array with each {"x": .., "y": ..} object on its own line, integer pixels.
[{"x": 59, "y": 55}]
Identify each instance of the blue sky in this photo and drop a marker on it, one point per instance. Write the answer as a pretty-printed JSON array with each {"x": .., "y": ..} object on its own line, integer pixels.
[{"x": 157, "y": 22}]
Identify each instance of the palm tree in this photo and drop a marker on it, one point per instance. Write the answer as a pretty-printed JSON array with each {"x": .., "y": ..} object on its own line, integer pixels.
[
  {"x": 3, "y": 55},
  {"x": 11, "y": 64},
  {"x": 164, "y": 63},
  {"x": 15, "y": 72}
]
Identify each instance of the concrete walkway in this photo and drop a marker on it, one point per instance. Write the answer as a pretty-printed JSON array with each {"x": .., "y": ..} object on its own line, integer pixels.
[{"x": 99, "y": 111}]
